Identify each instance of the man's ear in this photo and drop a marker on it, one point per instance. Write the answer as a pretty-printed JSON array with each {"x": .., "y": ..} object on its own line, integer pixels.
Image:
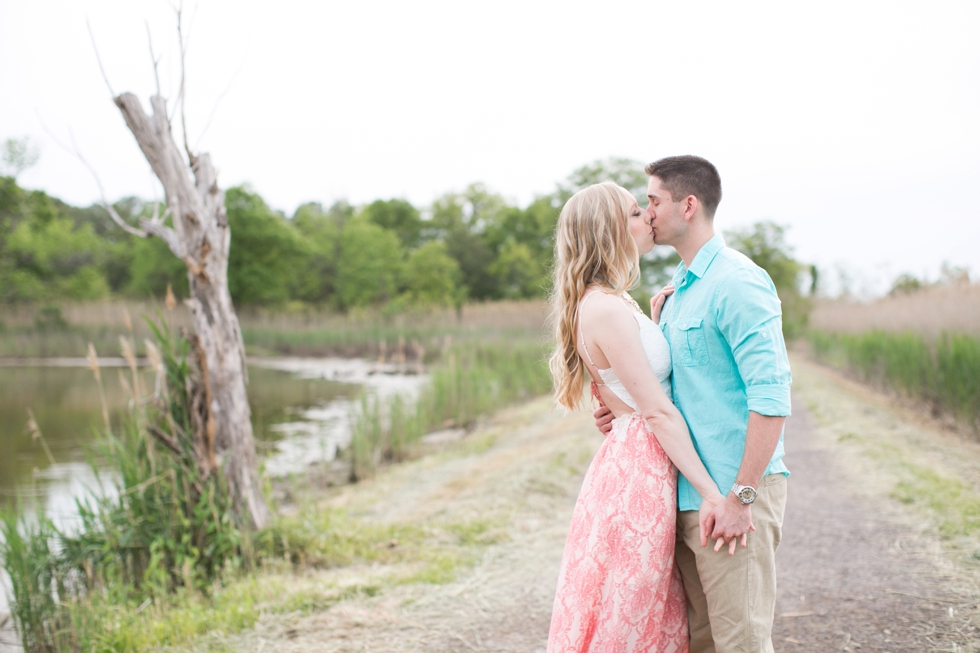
[{"x": 690, "y": 205}]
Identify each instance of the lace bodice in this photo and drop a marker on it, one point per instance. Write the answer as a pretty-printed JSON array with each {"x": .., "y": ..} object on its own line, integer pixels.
[{"x": 654, "y": 345}]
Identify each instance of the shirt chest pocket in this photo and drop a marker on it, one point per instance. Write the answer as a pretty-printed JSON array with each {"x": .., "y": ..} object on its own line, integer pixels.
[{"x": 690, "y": 343}]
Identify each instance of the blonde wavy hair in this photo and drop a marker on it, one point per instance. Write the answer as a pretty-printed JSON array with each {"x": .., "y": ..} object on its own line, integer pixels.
[{"x": 593, "y": 246}]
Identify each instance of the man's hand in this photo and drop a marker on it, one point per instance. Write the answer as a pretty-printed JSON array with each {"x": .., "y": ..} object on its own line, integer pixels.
[
  {"x": 728, "y": 520},
  {"x": 708, "y": 521},
  {"x": 603, "y": 419},
  {"x": 657, "y": 302}
]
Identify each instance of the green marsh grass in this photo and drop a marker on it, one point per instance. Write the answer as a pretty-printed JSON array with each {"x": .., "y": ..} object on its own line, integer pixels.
[
  {"x": 943, "y": 372},
  {"x": 472, "y": 381}
]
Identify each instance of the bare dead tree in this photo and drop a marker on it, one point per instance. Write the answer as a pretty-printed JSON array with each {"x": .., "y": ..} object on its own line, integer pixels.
[{"x": 200, "y": 237}]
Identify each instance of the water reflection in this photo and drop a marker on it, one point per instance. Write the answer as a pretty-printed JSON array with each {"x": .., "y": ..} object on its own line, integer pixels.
[{"x": 300, "y": 411}]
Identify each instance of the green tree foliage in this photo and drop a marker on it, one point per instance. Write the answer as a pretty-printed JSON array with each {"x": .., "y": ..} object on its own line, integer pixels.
[
  {"x": 398, "y": 216},
  {"x": 153, "y": 266},
  {"x": 18, "y": 155},
  {"x": 267, "y": 253},
  {"x": 905, "y": 284},
  {"x": 320, "y": 229},
  {"x": 518, "y": 273},
  {"x": 432, "y": 277},
  {"x": 370, "y": 265},
  {"x": 461, "y": 220},
  {"x": 765, "y": 243},
  {"x": 43, "y": 253}
]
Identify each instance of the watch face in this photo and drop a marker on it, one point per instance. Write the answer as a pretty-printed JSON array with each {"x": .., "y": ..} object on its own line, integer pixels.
[{"x": 747, "y": 495}]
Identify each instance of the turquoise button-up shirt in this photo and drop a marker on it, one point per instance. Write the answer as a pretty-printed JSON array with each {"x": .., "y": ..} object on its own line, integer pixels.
[{"x": 724, "y": 327}]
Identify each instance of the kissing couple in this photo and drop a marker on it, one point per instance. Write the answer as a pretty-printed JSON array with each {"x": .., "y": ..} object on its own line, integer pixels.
[{"x": 702, "y": 387}]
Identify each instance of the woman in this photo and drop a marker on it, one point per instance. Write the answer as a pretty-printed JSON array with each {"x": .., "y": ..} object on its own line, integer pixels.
[{"x": 618, "y": 588}]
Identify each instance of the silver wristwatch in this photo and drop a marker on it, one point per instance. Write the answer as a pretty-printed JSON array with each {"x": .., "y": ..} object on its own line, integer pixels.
[{"x": 745, "y": 493}]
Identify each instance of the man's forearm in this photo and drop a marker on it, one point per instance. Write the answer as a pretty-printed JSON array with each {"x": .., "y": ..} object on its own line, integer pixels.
[{"x": 761, "y": 439}]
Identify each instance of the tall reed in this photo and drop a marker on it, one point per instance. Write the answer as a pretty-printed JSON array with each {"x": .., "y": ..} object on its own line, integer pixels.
[
  {"x": 167, "y": 524},
  {"x": 943, "y": 372}
]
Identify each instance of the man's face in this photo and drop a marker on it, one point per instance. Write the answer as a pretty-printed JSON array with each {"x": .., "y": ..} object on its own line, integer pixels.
[{"x": 666, "y": 215}]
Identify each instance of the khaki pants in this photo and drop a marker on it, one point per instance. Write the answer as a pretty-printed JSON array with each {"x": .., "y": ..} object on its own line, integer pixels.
[{"x": 731, "y": 599}]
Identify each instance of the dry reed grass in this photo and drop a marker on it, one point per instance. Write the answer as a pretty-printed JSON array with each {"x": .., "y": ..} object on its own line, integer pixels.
[
  {"x": 29, "y": 331},
  {"x": 109, "y": 313},
  {"x": 527, "y": 314},
  {"x": 930, "y": 311}
]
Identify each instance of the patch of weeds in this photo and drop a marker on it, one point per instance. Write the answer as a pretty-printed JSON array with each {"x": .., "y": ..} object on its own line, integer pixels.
[
  {"x": 332, "y": 538},
  {"x": 312, "y": 600},
  {"x": 176, "y": 621},
  {"x": 545, "y": 486},
  {"x": 955, "y": 503},
  {"x": 478, "y": 443},
  {"x": 439, "y": 570},
  {"x": 476, "y": 532},
  {"x": 560, "y": 462}
]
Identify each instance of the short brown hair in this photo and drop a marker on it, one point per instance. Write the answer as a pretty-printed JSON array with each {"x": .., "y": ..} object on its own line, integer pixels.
[{"x": 689, "y": 175}]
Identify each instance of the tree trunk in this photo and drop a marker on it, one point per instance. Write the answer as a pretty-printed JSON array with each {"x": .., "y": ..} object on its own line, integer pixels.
[{"x": 201, "y": 238}]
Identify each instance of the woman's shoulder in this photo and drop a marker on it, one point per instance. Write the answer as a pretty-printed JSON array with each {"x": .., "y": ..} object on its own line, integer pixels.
[{"x": 599, "y": 305}]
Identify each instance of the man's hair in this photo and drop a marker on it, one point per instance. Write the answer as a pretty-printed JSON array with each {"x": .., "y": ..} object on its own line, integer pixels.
[{"x": 689, "y": 175}]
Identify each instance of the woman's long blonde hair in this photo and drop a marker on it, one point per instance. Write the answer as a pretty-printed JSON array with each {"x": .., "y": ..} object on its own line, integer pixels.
[{"x": 593, "y": 246}]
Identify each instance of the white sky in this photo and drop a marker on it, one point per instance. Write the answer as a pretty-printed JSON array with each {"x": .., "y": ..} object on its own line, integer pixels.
[{"x": 856, "y": 123}]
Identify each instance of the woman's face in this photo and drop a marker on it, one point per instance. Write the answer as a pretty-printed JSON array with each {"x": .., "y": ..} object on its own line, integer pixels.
[{"x": 640, "y": 229}]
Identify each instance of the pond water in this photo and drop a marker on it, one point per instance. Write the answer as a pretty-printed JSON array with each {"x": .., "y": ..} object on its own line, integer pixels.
[{"x": 300, "y": 413}]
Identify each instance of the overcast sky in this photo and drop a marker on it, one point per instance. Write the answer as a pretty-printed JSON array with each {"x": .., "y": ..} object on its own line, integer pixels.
[{"x": 855, "y": 123}]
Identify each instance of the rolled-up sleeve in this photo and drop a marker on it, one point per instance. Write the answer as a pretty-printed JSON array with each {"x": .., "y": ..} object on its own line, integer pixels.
[{"x": 749, "y": 317}]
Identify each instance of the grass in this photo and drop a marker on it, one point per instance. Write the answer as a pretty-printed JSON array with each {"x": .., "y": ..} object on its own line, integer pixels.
[
  {"x": 953, "y": 504},
  {"x": 943, "y": 372},
  {"x": 424, "y": 553}
]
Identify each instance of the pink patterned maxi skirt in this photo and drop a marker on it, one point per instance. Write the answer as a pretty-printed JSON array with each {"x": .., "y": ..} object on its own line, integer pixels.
[{"x": 619, "y": 589}]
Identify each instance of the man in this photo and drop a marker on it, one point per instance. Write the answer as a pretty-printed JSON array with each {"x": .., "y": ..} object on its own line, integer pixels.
[{"x": 731, "y": 382}]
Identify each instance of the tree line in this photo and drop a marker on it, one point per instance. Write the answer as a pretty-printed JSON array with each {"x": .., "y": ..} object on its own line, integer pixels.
[{"x": 471, "y": 245}]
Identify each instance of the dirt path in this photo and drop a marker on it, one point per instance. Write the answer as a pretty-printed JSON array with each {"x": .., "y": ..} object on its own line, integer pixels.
[{"x": 858, "y": 570}]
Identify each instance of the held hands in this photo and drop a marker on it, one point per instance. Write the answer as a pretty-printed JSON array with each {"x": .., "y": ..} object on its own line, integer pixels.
[
  {"x": 657, "y": 302},
  {"x": 725, "y": 520}
]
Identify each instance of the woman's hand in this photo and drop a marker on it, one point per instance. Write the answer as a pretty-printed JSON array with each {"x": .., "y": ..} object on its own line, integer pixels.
[
  {"x": 657, "y": 302},
  {"x": 707, "y": 522}
]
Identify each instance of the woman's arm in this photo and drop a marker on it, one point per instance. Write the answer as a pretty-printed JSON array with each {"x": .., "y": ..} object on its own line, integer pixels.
[{"x": 614, "y": 331}]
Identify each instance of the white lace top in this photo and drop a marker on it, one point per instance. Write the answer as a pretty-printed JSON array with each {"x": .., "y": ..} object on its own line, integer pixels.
[{"x": 654, "y": 345}]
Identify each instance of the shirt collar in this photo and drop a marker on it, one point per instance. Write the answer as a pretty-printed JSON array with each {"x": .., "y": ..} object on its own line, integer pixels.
[{"x": 702, "y": 259}]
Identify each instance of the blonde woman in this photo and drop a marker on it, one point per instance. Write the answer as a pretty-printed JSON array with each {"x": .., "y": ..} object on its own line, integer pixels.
[{"x": 618, "y": 588}]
